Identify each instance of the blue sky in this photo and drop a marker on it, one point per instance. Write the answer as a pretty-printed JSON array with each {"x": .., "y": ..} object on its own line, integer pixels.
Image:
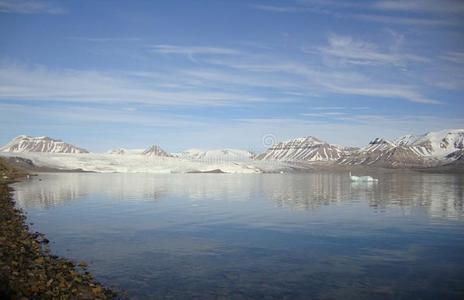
[{"x": 215, "y": 74}]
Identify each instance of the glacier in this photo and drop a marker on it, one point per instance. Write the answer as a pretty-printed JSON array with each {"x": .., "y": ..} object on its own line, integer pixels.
[{"x": 137, "y": 163}]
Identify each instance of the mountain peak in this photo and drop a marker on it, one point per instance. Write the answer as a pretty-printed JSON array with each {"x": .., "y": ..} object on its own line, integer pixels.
[
  {"x": 380, "y": 141},
  {"x": 24, "y": 143},
  {"x": 307, "y": 148},
  {"x": 306, "y": 140},
  {"x": 155, "y": 150},
  {"x": 435, "y": 143}
]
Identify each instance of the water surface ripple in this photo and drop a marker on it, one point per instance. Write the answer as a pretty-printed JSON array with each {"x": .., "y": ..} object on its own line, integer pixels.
[{"x": 272, "y": 236}]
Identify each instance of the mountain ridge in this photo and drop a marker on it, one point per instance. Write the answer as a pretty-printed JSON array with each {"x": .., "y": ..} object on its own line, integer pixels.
[
  {"x": 430, "y": 149},
  {"x": 24, "y": 143},
  {"x": 306, "y": 148}
]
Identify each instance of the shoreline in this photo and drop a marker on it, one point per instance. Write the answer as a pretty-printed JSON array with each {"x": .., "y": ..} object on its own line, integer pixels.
[{"x": 28, "y": 269}]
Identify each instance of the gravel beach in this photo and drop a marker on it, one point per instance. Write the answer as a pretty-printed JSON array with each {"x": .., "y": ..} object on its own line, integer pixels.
[{"x": 28, "y": 270}]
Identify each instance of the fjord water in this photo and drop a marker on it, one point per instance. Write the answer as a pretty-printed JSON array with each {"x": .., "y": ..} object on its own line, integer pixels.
[{"x": 294, "y": 236}]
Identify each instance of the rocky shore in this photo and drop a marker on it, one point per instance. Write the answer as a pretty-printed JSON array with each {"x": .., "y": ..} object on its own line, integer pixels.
[{"x": 28, "y": 270}]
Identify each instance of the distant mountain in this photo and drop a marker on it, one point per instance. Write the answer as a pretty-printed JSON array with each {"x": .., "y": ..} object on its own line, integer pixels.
[
  {"x": 156, "y": 150},
  {"x": 441, "y": 149},
  {"x": 383, "y": 153},
  {"x": 426, "y": 150},
  {"x": 438, "y": 143},
  {"x": 217, "y": 155},
  {"x": 410, "y": 151},
  {"x": 44, "y": 144},
  {"x": 303, "y": 149}
]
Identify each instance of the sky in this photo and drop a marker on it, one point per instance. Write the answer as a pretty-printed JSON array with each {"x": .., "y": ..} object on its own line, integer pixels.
[{"x": 229, "y": 74}]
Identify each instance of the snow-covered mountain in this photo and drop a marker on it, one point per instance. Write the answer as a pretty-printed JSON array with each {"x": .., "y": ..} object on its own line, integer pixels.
[
  {"x": 434, "y": 149},
  {"x": 379, "y": 144},
  {"x": 24, "y": 143},
  {"x": 426, "y": 150},
  {"x": 303, "y": 149},
  {"x": 455, "y": 158},
  {"x": 217, "y": 155},
  {"x": 437, "y": 144},
  {"x": 383, "y": 153},
  {"x": 156, "y": 150}
]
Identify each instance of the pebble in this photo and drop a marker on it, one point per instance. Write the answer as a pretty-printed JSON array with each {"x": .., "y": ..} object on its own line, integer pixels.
[{"x": 29, "y": 271}]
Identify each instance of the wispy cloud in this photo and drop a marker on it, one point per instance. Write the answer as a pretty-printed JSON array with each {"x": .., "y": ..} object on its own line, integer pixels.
[
  {"x": 340, "y": 108},
  {"x": 106, "y": 39},
  {"x": 442, "y": 6},
  {"x": 388, "y": 19},
  {"x": 243, "y": 79},
  {"x": 83, "y": 114},
  {"x": 358, "y": 52},
  {"x": 276, "y": 8},
  {"x": 335, "y": 81},
  {"x": 22, "y": 83},
  {"x": 324, "y": 114},
  {"x": 192, "y": 51},
  {"x": 30, "y": 7},
  {"x": 240, "y": 78},
  {"x": 384, "y": 91},
  {"x": 354, "y": 130},
  {"x": 454, "y": 57},
  {"x": 375, "y": 11}
]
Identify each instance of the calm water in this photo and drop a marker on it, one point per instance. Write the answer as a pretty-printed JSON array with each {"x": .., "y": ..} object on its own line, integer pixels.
[{"x": 209, "y": 236}]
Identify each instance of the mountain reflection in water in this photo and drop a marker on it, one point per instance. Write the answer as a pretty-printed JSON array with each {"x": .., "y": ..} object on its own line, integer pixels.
[
  {"x": 438, "y": 194},
  {"x": 272, "y": 236}
]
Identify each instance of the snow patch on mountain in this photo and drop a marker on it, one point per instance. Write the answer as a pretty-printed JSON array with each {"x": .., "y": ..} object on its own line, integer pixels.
[
  {"x": 24, "y": 143},
  {"x": 383, "y": 153},
  {"x": 426, "y": 150},
  {"x": 437, "y": 144},
  {"x": 379, "y": 144},
  {"x": 303, "y": 149}
]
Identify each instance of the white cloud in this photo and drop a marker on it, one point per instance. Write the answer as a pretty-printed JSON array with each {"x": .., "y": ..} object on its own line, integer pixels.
[
  {"x": 334, "y": 81},
  {"x": 353, "y": 130},
  {"x": 324, "y": 114},
  {"x": 106, "y": 39},
  {"x": 329, "y": 108},
  {"x": 276, "y": 8},
  {"x": 192, "y": 51},
  {"x": 387, "y": 19},
  {"x": 351, "y": 51},
  {"x": 454, "y": 57},
  {"x": 433, "y": 6},
  {"x": 86, "y": 115},
  {"x": 39, "y": 83},
  {"x": 243, "y": 79},
  {"x": 30, "y": 7},
  {"x": 225, "y": 76},
  {"x": 383, "y": 91},
  {"x": 375, "y": 11}
]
